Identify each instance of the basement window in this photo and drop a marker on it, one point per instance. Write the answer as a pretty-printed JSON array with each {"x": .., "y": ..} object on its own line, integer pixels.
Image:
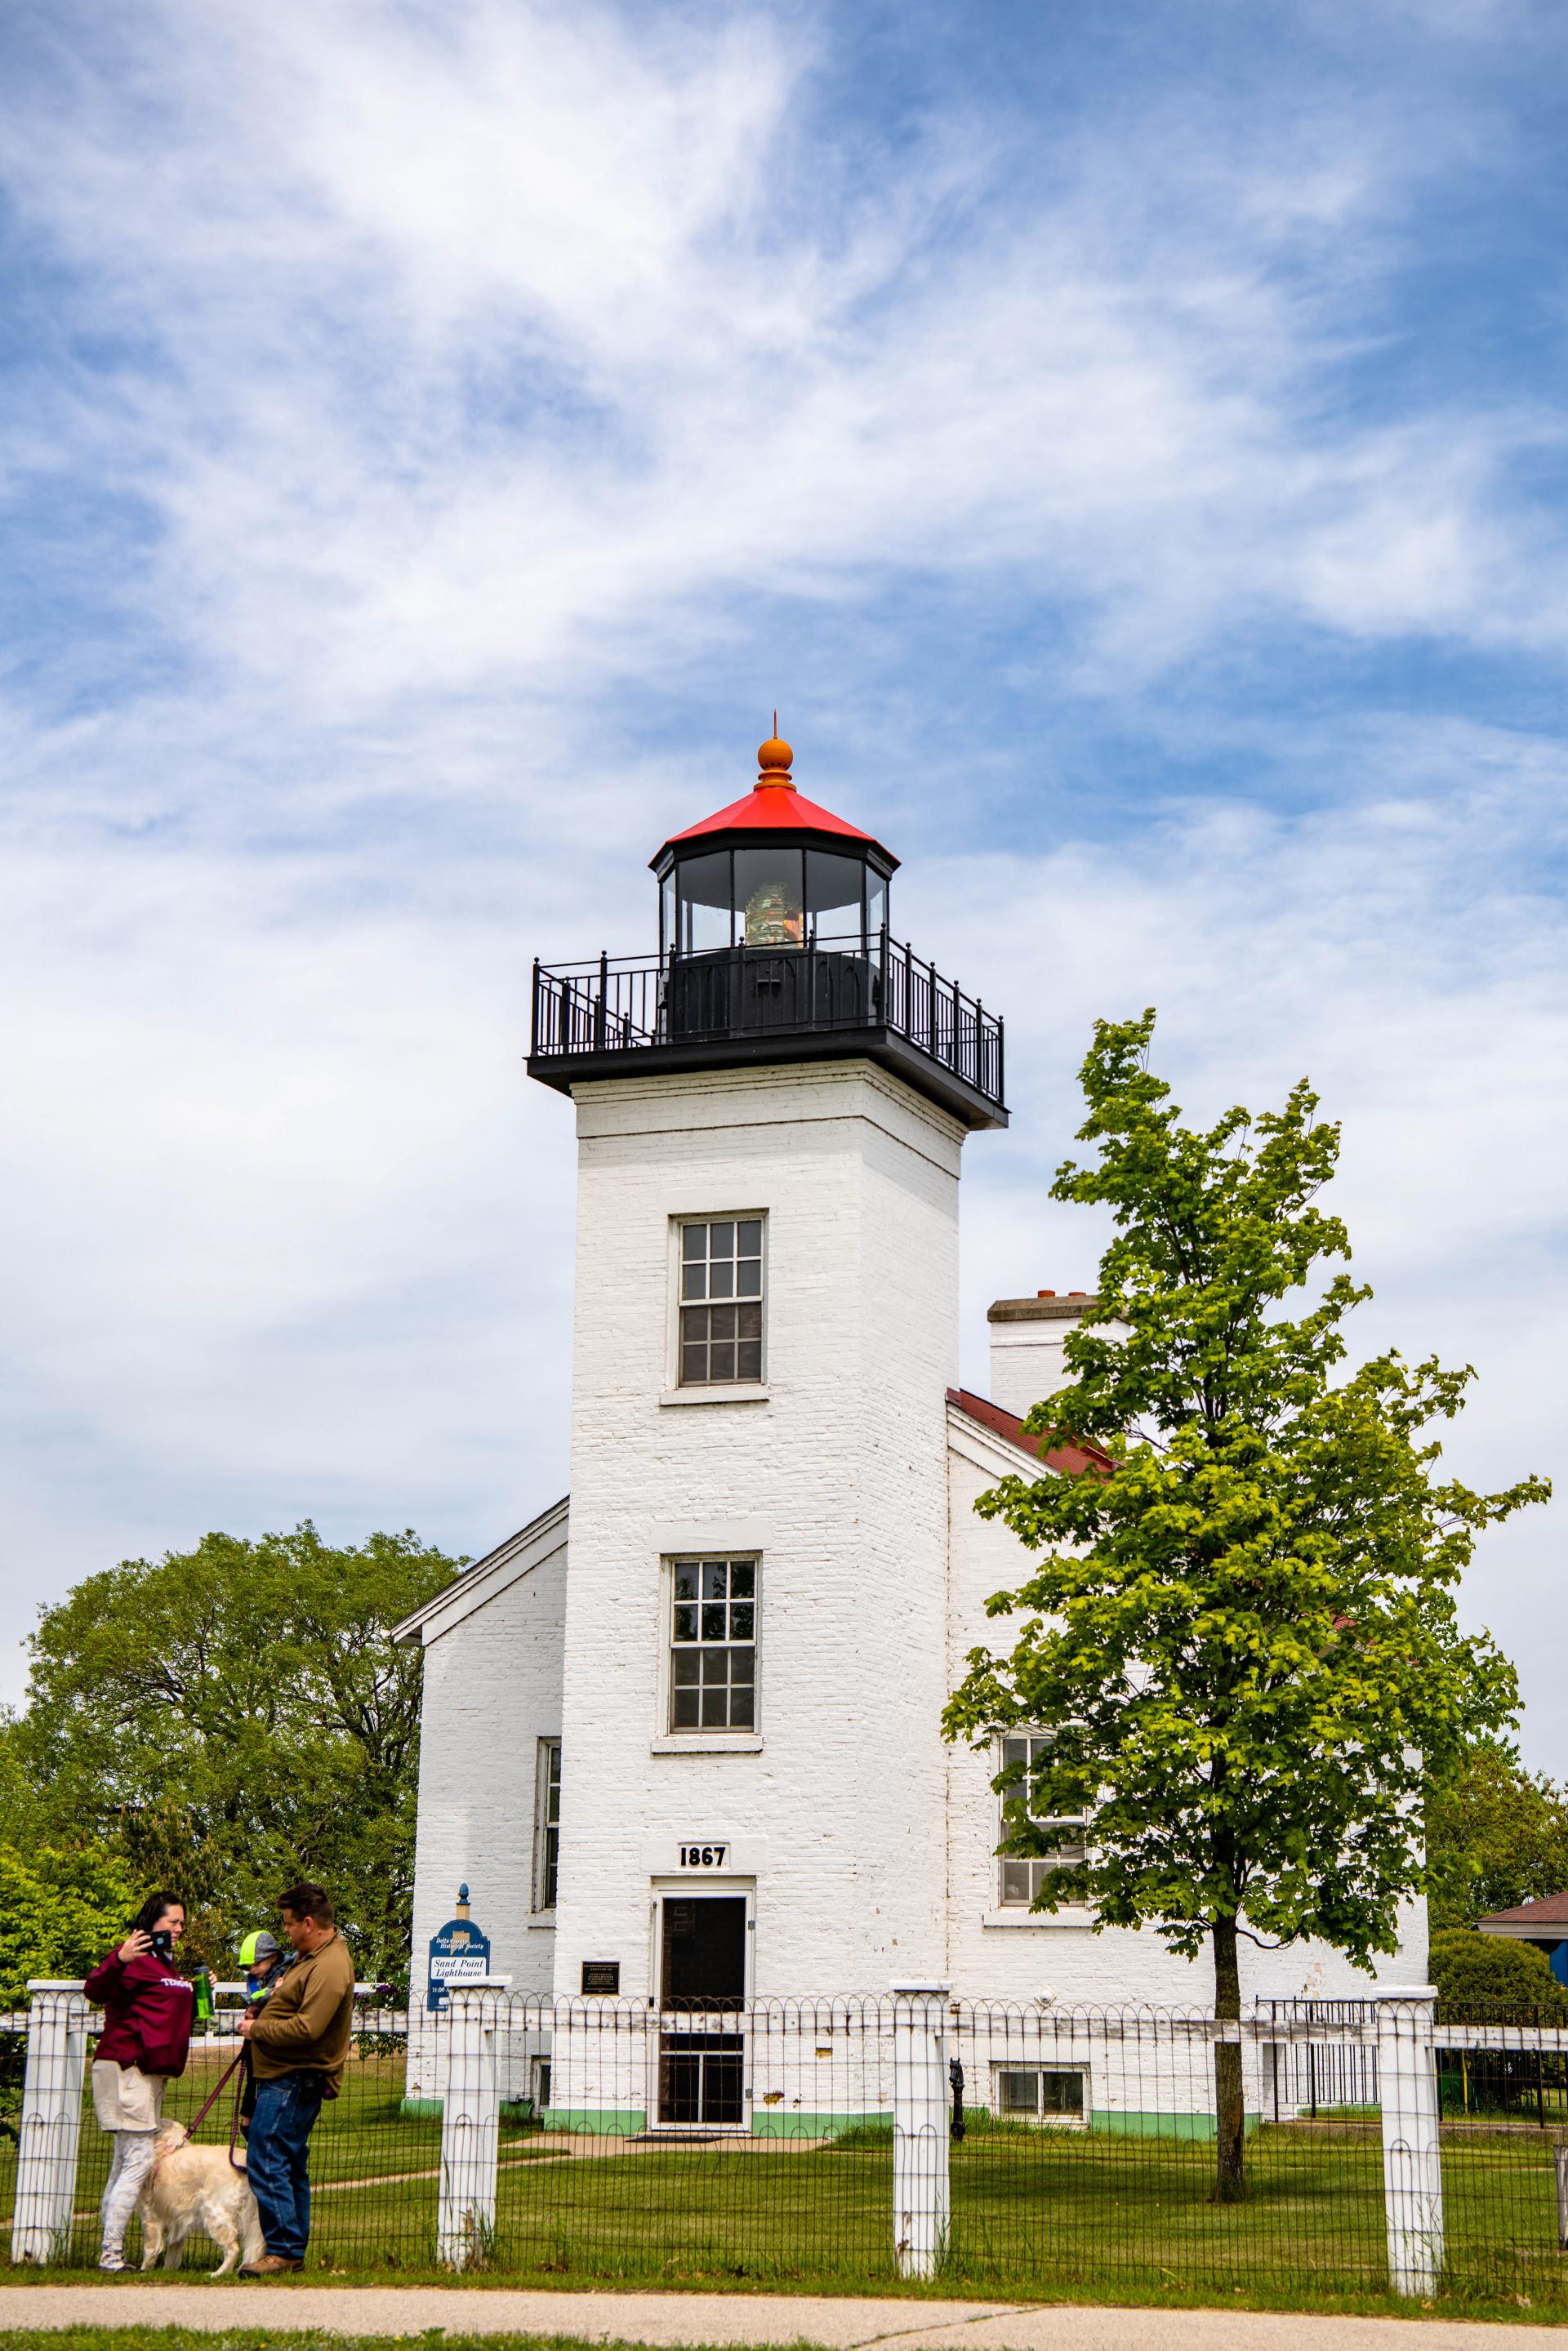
[{"x": 1040, "y": 2094}]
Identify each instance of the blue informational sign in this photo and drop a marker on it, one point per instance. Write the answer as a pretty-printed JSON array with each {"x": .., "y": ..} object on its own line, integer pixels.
[{"x": 458, "y": 1954}]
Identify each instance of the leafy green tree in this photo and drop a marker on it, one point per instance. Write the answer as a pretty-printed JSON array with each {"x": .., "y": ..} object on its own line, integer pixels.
[
  {"x": 59, "y": 1913},
  {"x": 231, "y": 1718},
  {"x": 1242, "y": 1638},
  {"x": 1496, "y": 1834}
]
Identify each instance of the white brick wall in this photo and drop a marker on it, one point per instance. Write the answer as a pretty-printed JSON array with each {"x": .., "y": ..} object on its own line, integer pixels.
[
  {"x": 492, "y": 1691},
  {"x": 837, "y": 1479}
]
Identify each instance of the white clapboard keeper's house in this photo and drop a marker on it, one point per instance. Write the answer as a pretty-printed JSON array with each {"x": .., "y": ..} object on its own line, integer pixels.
[{"x": 681, "y": 1734}]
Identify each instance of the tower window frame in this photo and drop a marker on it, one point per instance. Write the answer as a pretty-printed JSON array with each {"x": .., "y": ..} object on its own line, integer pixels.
[
  {"x": 720, "y": 1277},
  {"x": 711, "y": 1645}
]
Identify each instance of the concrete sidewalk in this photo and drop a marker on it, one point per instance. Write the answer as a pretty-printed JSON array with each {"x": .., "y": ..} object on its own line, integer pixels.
[{"x": 678, "y": 2319}]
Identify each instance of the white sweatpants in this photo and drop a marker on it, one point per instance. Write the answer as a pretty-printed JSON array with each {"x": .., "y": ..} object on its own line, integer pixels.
[{"x": 133, "y": 2162}]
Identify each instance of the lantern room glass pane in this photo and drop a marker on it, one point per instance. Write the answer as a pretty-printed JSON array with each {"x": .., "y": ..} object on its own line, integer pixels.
[
  {"x": 770, "y": 896},
  {"x": 704, "y": 888},
  {"x": 833, "y": 896},
  {"x": 876, "y": 900}
]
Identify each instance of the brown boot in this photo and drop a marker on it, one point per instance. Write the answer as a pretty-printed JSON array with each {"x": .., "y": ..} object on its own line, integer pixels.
[{"x": 271, "y": 2265}]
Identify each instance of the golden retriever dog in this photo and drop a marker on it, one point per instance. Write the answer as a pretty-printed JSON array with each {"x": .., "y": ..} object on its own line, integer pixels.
[{"x": 192, "y": 2189}]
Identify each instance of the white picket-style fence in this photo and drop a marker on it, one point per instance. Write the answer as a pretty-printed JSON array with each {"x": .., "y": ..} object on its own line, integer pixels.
[{"x": 812, "y": 2072}]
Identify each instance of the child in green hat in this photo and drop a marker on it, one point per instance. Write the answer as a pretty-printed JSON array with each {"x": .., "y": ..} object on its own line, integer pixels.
[{"x": 260, "y": 1957}]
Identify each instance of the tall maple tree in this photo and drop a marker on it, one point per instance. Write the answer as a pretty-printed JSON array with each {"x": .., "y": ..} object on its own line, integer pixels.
[{"x": 1243, "y": 1638}]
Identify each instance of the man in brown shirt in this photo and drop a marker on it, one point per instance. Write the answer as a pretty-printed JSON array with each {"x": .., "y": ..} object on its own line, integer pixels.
[{"x": 299, "y": 2046}]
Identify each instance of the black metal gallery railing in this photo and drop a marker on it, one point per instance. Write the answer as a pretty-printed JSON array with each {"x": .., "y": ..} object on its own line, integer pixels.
[{"x": 629, "y": 1003}]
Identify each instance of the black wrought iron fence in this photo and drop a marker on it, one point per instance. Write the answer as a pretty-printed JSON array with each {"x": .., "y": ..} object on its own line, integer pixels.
[{"x": 626, "y": 1004}]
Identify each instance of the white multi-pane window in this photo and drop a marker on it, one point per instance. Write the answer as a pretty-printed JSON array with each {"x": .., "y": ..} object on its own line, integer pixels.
[
  {"x": 713, "y": 1645},
  {"x": 721, "y": 1300},
  {"x": 547, "y": 1832},
  {"x": 1040, "y": 2094},
  {"x": 1021, "y": 1880}
]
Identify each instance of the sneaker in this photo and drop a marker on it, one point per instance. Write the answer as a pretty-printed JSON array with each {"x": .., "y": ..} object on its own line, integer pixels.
[{"x": 111, "y": 2262}]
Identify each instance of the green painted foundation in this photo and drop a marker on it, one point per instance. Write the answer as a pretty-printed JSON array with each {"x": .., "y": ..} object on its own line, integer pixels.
[
  {"x": 770, "y": 2121},
  {"x": 596, "y": 2121},
  {"x": 626, "y": 2121},
  {"x": 1156, "y": 2124}
]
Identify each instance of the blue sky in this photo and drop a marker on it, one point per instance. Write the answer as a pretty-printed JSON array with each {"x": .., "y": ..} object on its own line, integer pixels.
[{"x": 1125, "y": 442}]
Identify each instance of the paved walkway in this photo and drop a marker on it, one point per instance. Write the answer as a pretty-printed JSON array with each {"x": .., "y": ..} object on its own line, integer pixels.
[{"x": 678, "y": 2319}]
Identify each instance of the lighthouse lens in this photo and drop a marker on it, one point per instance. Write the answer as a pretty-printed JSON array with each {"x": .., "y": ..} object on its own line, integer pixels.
[{"x": 769, "y": 892}]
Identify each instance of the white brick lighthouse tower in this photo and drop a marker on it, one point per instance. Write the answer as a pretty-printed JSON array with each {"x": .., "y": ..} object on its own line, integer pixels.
[
  {"x": 770, "y": 1120},
  {"x": 681, "y": 1734}
]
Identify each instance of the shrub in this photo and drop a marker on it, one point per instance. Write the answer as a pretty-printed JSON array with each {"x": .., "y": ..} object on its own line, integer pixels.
[{"x": 1513, "y": 1980}]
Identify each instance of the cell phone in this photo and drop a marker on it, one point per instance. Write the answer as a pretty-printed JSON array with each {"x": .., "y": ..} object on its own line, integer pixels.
[{"x": 164, "y": 1943}]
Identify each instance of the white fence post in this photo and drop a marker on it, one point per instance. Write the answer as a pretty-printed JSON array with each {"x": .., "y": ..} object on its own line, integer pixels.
[
  {"x": 470, "y": 2126},
  {"x": 51, "y": 2122},
  {"x": 921, "y": 2186},
  {"x": 1412, "y": 2155}
]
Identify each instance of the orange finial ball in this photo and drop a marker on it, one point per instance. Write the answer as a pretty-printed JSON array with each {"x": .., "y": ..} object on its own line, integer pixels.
[{"x": 774, "y": 758}]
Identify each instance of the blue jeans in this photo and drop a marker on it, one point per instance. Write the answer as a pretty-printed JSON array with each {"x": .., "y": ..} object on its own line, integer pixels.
[{"x": 281, "y": 2128}]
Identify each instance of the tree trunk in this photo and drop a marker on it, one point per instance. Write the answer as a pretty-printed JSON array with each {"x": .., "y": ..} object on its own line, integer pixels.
[{"x": 1229, "y": 2115}]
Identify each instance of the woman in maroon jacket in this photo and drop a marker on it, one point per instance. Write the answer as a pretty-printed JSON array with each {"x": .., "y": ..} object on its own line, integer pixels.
[{"x": 146, "y": 2037}]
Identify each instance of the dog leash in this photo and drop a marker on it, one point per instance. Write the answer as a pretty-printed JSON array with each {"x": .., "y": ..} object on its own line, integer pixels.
[
  {"x": 201, "y": 2114},
  {"x": 234, "y": 2118},
  {"x": 212, "y": 2102}
]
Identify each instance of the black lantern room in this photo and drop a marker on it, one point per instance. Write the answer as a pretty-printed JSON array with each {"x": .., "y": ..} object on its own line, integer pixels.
[{"x": 772, "y": 912}]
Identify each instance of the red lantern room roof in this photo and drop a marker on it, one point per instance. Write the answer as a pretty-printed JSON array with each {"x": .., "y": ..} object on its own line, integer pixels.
[{"x": 774, "y": 805}]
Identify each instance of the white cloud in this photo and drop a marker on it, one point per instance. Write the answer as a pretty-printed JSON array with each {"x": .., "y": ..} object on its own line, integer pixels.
[{"x": 496, "y": 348}]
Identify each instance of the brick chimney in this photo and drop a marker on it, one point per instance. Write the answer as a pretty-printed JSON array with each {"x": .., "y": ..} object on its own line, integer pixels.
[{"x": 1027, "y": 1337}]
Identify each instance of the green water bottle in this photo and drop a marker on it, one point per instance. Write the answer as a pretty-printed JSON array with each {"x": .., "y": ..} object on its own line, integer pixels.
[{"x": 203, "y": 1984}]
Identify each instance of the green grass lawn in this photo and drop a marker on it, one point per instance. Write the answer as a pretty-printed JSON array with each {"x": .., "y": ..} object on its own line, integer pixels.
[{"x": 1035, "y": 2213}]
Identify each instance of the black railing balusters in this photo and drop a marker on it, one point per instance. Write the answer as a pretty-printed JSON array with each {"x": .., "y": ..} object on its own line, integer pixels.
[{"x": 616, "y": 1004}]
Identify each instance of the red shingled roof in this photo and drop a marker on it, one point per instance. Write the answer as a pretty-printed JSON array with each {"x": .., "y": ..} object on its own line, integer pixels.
[
  {"x": 770, "y": 809},
  {"x": 1552, "y": 1910},
  {"x": 1069, "y": 1459}
]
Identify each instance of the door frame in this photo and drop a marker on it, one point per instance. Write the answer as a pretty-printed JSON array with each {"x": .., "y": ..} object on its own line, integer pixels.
[{"x": 674, "y": 1886}]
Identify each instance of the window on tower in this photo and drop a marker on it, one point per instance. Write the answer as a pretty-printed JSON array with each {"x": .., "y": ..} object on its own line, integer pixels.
[
  {"x": 713, "y": 1645},
  {"x": 1021, "y": 1879},
  {"x": 721, "y": 1287}
]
